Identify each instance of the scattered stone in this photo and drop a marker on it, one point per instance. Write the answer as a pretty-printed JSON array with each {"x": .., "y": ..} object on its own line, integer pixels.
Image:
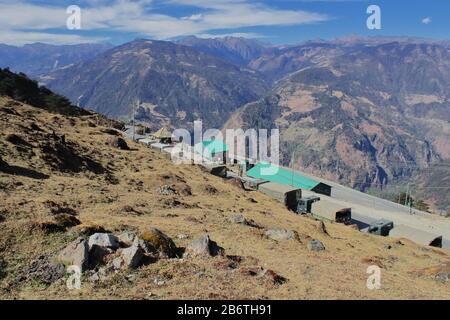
[
  {"x": 183, "y": 236},
  {"x": 76, "y": 253},
  {"x": 166, "y": 190},
  {"x": 203, "y": 247},
  {"x": 387, "y": 246},
  {"x": 315, "y": 245},
  {"x": 281, "y": 234},
  {"x": 117, "y": 142},
  {"x": 239, "y": 219},
  {"x": 44, "y": 270},
  {"x": 132, "y": 256},
  {"x": 156, "y": 242},
  {"x": 105, "y": 240}
]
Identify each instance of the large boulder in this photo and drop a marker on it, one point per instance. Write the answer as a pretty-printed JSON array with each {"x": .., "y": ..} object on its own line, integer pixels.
[
  {"x": 281, "y": 234},
  {"x": 203, "y": 247},
  {"x": 76, "y": 253},
  {"x": 104, "y": 240},
  {"x": 157, "y": 243}
]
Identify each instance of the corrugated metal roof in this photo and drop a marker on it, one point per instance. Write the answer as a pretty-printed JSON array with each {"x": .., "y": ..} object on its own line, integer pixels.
[
  {"x": 209, "y": 148},
  {"x": 277, "y": 187},
  {"x": 272, "y": 173}
]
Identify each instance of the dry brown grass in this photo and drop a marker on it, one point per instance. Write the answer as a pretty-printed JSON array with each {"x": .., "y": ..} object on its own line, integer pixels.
[{"x": 103, "y": 202}]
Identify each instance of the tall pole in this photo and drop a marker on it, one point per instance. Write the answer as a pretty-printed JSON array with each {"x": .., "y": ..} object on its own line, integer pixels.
[
  {"x": 134, "y": 119},
  {"x": 406, "y": 195},
  {"x": 410, "y": 202},
  {"x": 292, "y": 166}
]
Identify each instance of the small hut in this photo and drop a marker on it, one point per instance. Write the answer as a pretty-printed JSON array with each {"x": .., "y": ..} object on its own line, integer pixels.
[{"x": 163, "y": 135}]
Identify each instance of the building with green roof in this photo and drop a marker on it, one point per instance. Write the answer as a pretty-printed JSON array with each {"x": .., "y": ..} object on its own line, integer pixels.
[
  {"x": 212, "y": 150},
  {"x": 283, "y": 176}
]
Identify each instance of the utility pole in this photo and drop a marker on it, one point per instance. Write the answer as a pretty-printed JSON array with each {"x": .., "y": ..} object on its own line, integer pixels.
[
  {"x": 410, "y": 202},
  {"x": 134, "y": 119},
  {"x": 292, "y": 166},
  {"x": 406, "y": 195}
]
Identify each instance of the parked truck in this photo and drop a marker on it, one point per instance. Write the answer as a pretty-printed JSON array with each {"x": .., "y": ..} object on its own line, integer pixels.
[
  {"x": 289, "y": 196},
  {"x": 330, "y": 211}
]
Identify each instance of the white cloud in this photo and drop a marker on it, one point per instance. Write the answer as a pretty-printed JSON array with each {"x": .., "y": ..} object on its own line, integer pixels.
[
  {"x": 427, "y": 20},
  {"x": 194, "y": 17},
  {"x": 23, "y": 18}
]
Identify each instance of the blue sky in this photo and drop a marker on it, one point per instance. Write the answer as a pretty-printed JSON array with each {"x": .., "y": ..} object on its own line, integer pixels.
[{"x": 278, "y": 22}]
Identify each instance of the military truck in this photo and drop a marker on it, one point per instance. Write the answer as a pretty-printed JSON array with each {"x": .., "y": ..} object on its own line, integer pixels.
[
  {"x": 305, "y": 204},
  {"x": 330, "y": 211},
  {"x": 289, "y": 196},
  {"x": 381, "y": 227}
]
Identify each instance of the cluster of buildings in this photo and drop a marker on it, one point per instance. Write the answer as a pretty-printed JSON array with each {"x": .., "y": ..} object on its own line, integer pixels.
[{"x": 300, "y": 194}]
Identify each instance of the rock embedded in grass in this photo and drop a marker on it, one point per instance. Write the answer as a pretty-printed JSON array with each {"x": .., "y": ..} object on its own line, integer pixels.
[
  {"x": 315, "y": 245},
  {"x": 76, "y": 253},
  {"x": 156, "y": 242},
  {"x": 203, "y": 247},
  {"x": 238, "y": 218},
  {"x": 281, "y": 234}
]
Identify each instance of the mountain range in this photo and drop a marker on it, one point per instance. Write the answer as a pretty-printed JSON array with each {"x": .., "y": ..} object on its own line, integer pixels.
[
  {"x": 39, "y": 58},
  {"x": 372, "y": 113}
]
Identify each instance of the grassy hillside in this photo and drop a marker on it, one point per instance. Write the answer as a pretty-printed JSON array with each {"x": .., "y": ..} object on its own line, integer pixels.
[{"x": 54, "y": 165}]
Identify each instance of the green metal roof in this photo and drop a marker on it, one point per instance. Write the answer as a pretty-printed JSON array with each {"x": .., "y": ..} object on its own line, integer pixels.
[
  {"x": 211, "y": 147},
  {"x": 272, "y": 173}
]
